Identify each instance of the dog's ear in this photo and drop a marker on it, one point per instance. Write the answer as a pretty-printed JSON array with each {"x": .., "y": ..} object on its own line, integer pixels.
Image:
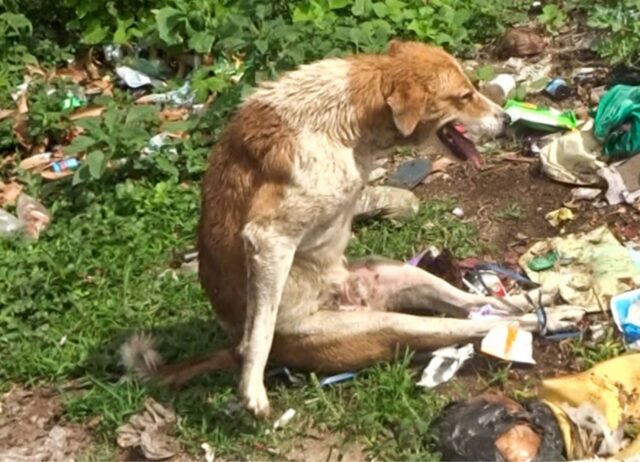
[{"x": 408, "y": 104}]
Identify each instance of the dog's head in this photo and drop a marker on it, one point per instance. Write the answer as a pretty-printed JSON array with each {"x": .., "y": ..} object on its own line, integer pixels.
[{"x": 429, "y": 94}]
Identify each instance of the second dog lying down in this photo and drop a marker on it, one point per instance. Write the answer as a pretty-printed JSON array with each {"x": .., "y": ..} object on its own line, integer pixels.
[{"x": 277, "y": 204}]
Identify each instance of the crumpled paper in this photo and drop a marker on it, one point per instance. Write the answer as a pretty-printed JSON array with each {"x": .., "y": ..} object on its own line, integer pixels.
[
  {"x": 623, "y": 179},
  {"x": 572, "y": 158},
  {"x": 147, "y": 430},
  {"x": 591, "y": 268}
]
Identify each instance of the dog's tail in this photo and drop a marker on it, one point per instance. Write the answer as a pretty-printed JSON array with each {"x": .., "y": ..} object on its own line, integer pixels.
[{"x": 140, "y": 358}]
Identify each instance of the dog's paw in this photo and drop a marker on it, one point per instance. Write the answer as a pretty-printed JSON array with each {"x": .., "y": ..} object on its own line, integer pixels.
[{"x": 255, "y": 400}]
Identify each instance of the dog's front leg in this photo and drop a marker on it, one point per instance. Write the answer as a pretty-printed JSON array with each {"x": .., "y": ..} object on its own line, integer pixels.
[{"x": 269, "y": 255}]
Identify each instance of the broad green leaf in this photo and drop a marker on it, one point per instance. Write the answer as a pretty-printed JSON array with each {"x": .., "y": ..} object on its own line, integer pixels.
[
  {"x": 82, "y": 175},
  {"x": 201, "y": 42},
  {"x": 94, "y": 35},
  {"x": 79, "y": 144},
  {"x": 17, "y": 22},
  {"x": 139, "y": 114},
  {"x": 486, "y": 72},
  {"x": 167, "y": 21},
  {"x": 121, "y": 35},
  {"x": 165, "y": 165},
  {"x": 380, "y": 9},
  {"x": 338, "y": 4},
  {"x": 97, "y": 162}
]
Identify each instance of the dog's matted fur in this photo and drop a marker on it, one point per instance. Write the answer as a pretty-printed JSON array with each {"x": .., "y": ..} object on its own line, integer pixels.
[{"x": 277, "y": 203}]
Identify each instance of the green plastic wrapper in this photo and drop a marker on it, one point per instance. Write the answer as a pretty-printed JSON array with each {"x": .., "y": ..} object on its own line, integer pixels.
[{"x": 617, "y": 121}]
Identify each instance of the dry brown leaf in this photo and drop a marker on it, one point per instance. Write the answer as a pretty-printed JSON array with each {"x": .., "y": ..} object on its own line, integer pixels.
[
  {"x": 7, "y": 159},
  {"x": 103, "y": 85},
  {"x": 20, "y": 129},
  {"x": 146, "y": 99},
  {"x": 33, "y": 214},
  {"x": 92, "y": 70},
  {"x": 170, "y": 115},
  {"x": 22, "y": 104},
  {"x": 9, "y": 193},
  {"x": 4, "y": 113},
  {"x": 51, "y": 175},
  {"x": 34, "y": 69},
  {"x": 37, "y": 161},
  {"x": 89, "y": 111},
  {"x": 77, "y": 75}
]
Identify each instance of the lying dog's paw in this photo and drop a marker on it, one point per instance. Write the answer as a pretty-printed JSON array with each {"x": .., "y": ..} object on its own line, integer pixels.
[{"x": 255, "y": 400}]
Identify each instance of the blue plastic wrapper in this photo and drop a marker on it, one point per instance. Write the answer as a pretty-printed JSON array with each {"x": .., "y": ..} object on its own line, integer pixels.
[{"x": 625, "y": 309}]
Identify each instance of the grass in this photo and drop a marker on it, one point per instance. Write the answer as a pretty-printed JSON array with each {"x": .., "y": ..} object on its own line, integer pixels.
[
  {"x": 104, "y": 269},
  {"x": 511, "y": 211}
]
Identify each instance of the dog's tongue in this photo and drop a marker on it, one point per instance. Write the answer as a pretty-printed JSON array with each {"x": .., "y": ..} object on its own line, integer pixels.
[{"x": 452, "y": 136}]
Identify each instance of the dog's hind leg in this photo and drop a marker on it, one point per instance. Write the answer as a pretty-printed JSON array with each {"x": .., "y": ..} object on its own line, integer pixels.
[
  {"x": 408, "y": 288},
  {"x": 330, "y": 341}
]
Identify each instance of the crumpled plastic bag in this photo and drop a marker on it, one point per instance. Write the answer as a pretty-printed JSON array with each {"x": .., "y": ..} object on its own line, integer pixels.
[
  {"x": 604, "y": 396},
  {"x": 617, "y": 121},
  {"x": 572, "y": 158},
  {"x": 147, "y": 431},
  {"x": 590, "y": 269}
]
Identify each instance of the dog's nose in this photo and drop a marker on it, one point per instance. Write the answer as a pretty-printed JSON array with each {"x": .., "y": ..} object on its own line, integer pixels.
[{"x": 506, "y": 118}]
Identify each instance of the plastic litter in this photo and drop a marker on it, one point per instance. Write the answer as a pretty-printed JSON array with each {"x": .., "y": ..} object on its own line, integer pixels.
[
  {"x": 112, "y": 53},
  {"x": 284, "y": 419},
  {"x": 572, "y": 158},
  {"x": 540, "y": 118},
  {"x": 410, "y": 174},
  {"x": 485, "y": 283},
  {"x": 132, "y": 78},
  {"x": 617, "y": 121},
  {"x": 386, "y": 202},
  {"x": 559, "y": 216},
  {"x": 9, "y": 224},
  {"x": 70, "y": 163},
  {"x": 444, "y": 365},
  {"x": 148, "y": 430},
  {"x": 625, "y": 310},
  {"x": 494, "y": 427},
  {"x": 558, "y": 89},
  {"x": 543, "y": 262},
  {"x": 584, "y": 194},
  {"x": 182, "y": 97},
  {"x": 209, "y": 452},
  {"x": 510, "y": 343},
  {"x": 458, "y": 212},
  {"x": 593, "y": 407},
  {"x": 499, "y": 88},
  {"x": 333, "y": 379},
  {"x": 623, "y": 179},
  {"x": 590, "y": 268},
  {"x": 72, "y": 101}
]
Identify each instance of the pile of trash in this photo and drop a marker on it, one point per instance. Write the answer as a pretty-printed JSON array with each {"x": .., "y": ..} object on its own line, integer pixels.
[{"x": 79, "y": 90}]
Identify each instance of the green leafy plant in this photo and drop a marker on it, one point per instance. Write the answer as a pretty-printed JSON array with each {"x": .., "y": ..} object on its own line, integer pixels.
[
  {"x": 118, "y": 134},
  {"x": 553, "y": 17}
]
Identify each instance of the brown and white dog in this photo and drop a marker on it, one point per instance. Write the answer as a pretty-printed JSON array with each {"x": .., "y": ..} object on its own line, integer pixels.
[{"x": 277, "y": 205}]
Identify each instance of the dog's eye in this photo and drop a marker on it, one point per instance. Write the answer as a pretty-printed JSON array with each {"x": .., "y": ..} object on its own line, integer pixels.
[{"x": 466, "y": 97}]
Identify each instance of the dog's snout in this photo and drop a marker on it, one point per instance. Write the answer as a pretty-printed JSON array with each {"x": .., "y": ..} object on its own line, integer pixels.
[{"x": 506, "y": 118}]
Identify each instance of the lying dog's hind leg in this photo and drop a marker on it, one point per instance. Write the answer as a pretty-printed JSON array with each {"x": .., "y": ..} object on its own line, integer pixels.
[
  {"x": 408, "y": 288},
  {"x": 339, "y": 341}
]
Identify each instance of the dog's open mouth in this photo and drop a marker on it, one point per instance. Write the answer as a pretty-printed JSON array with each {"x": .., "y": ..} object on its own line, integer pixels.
[{"x": 451, "y": 135}]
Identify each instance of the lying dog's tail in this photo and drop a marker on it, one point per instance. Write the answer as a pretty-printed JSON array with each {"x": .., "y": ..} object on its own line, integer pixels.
[{"x": 140, "y": 357}]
